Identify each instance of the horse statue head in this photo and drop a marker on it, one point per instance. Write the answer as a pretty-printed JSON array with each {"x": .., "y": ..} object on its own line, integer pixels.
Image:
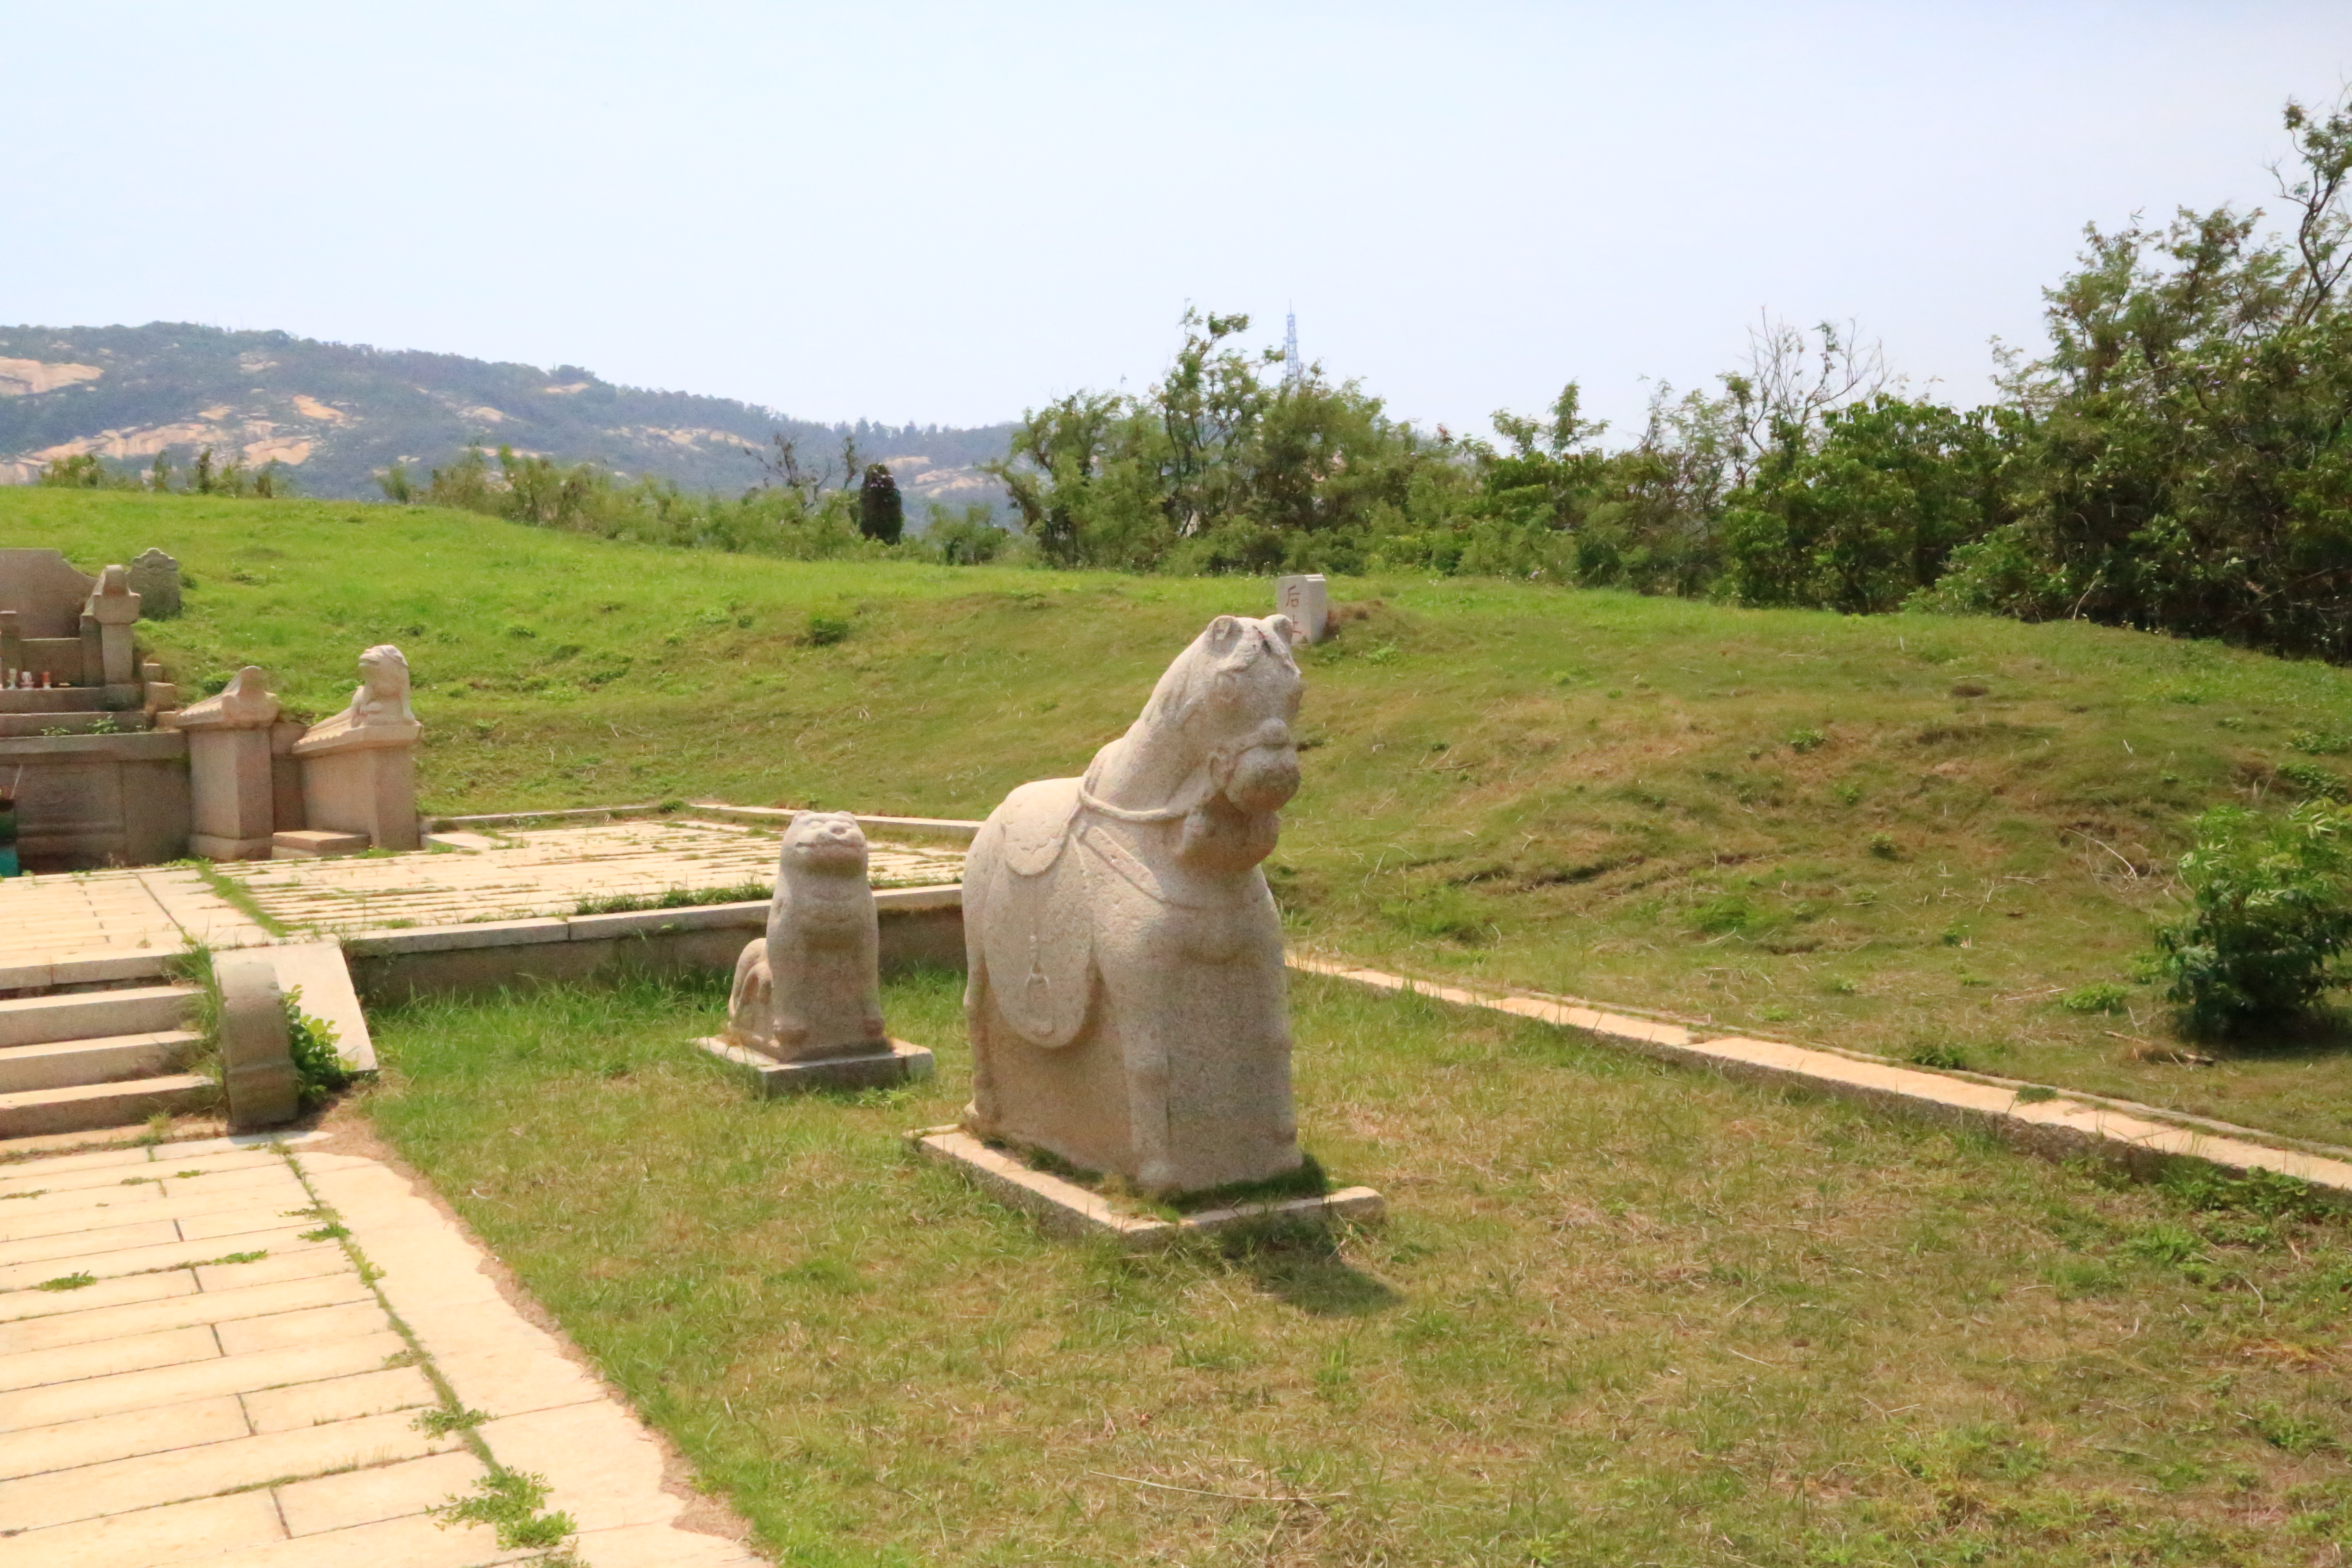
[{"x": 1213, "y": 748}]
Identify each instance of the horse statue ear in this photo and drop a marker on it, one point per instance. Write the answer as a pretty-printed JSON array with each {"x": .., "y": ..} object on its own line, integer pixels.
[{"x": 1222, "y": 630}]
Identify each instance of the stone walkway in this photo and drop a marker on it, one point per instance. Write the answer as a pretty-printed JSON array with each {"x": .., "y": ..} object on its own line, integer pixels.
[
  {"x": 516, "y": 874},
  {"x": 89, "y": 914},
  {"x": 194, "y": 1369},
  {"x": 546, "y": 871}
]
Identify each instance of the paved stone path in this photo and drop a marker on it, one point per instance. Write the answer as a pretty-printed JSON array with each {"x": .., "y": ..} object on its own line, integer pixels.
[
  {"x": 86, "y": 914},
  {"x": 522, "y": 875},
  {"x": 194, "y": 1368}
]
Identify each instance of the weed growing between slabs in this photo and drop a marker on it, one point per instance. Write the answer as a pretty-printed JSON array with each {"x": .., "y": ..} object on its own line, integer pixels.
[{"x": 1622, "y": 1313}]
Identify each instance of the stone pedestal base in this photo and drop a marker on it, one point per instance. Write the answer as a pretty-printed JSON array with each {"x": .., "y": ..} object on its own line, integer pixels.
[
  {"x": 882, "y": 1070},
  {"x": 314, "y": 842},
  {"x": 208, "y": 846},
  {"x": 1065, "y": 1208},
  {"x": 370, "y": 790},
  {"x": 228, "y": 792}
]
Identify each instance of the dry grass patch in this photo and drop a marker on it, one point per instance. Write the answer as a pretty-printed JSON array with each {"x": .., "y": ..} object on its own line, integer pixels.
[{"x": 1622, "y": 1314}]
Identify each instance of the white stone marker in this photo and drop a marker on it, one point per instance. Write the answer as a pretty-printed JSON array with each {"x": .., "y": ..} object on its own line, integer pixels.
[{"x": 1307, "y": 603}]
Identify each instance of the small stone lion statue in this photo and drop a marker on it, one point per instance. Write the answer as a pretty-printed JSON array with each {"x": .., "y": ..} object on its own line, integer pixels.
[{"x": 812, "y": 988}]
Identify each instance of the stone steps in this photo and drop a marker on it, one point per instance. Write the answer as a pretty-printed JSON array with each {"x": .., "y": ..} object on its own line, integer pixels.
[
  {"x": 74, "y": 723},
  {"x": 56, "y": 699},
  {"x": 85, "y": 1107},
  {"x": 93, "y": 1015},
  {"x": 110, "y": 1059},
  {"x": 75, "y": 1060}
]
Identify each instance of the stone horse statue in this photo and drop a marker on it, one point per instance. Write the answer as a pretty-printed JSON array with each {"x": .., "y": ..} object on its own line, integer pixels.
[{"x": 1126, "y": 995}]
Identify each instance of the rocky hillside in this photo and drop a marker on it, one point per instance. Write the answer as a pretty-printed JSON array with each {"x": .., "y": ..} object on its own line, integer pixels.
[{"x": 339, "y": 415}]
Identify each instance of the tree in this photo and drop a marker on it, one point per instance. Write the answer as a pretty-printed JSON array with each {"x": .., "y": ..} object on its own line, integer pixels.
[
  {"x": 881, "y": 513},
  {"x": 1867, "y": 514},
  {"x": 2184, "y": 456}
]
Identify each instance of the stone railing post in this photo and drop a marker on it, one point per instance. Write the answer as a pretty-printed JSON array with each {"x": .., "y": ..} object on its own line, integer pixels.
[
  {"x": 359, "y": 767},
  {"x": 112, "y": 610},
  {"x": 257, "y": 1053},
  {"x": 228, "y": 769}
]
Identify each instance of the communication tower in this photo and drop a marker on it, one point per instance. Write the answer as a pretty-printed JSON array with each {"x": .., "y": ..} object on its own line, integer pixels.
[{"x": 1294, "y": 369}]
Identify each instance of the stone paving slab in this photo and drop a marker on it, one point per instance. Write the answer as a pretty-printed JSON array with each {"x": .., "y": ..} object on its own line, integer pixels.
[
  {"x": 544, "y": 872},
  {"x": 263, "y": 1414}
]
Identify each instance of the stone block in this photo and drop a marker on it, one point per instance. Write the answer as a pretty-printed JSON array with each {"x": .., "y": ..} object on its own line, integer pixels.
[
  {"x": 206, "y": 846},
  {"x": 314, "y": 844},
  {"x": 1065, "y": 1208},
  {"x": 902, "y": 1063},
  {"x": 257, "y": 1068}
]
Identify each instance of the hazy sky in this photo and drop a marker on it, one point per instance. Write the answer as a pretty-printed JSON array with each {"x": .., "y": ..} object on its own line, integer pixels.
[{"x": 951, "y": 213}]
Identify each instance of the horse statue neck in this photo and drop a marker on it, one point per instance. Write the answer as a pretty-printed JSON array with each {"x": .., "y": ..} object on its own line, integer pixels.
[{"x": 1146, "y": 775}]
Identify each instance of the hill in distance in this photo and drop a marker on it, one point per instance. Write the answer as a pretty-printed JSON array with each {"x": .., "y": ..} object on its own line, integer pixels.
[{"x": 339, "y": 415}]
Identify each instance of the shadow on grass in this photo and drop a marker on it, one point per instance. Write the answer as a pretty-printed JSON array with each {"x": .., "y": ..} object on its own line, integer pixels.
[
  {"x": 1304, "y": 1269},
  {"x": 2321, "y": 1033}
]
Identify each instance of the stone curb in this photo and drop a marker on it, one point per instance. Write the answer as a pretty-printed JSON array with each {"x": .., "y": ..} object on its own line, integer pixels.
[
  {"x": 939, "y": 827},
  {"x": 750, "y": 916},
  {"x": 2063, "y": 1126}
]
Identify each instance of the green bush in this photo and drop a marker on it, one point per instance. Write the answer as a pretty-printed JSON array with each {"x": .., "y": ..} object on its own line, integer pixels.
[
  {"x": 310, "y": 1040},
  {"x": 2270, "y": 909},
  {"x": 824, "y": 631},
  {"x": 2103, "y": 996},
  {"x": 2311, "y": 779}
]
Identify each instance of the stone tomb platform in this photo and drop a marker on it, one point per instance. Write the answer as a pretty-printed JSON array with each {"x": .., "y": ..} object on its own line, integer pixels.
[
  {"x": 1066, "y": 1209},
  {"x": 878, "y": 1069}
]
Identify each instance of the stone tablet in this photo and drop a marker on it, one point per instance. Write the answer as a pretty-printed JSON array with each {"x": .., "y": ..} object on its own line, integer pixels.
[
  {"x": 1307, "y": 602},
  {"x": 155, "y": 578},
  {"x": 1126, "y": 993}
]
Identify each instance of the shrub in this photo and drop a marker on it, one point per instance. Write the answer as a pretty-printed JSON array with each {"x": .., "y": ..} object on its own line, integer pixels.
[
  {"x": 2270, "y": 909},
  {"x": 824, "y": 631},
  {"x": 2311, "y": 779},
  {"x": 1802, "y": 740},
  {"x": 2104, "y": 996},
  {"x": 310, "y": 1040}
]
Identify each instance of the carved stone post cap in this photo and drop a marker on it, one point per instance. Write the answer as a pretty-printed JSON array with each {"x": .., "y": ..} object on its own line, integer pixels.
[{"x": 245, "y": 703}]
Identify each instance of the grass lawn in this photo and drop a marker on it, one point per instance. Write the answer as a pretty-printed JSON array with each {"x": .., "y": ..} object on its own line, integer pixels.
[
  {"x": 1620, "y": 1315},
  {"x": 1913, "y": 834}
]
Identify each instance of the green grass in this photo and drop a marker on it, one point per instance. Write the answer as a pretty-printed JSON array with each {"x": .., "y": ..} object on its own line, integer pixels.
[
  {"x": 1780, "y": 821},
  {"x": 1620, "y": 1314}
]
